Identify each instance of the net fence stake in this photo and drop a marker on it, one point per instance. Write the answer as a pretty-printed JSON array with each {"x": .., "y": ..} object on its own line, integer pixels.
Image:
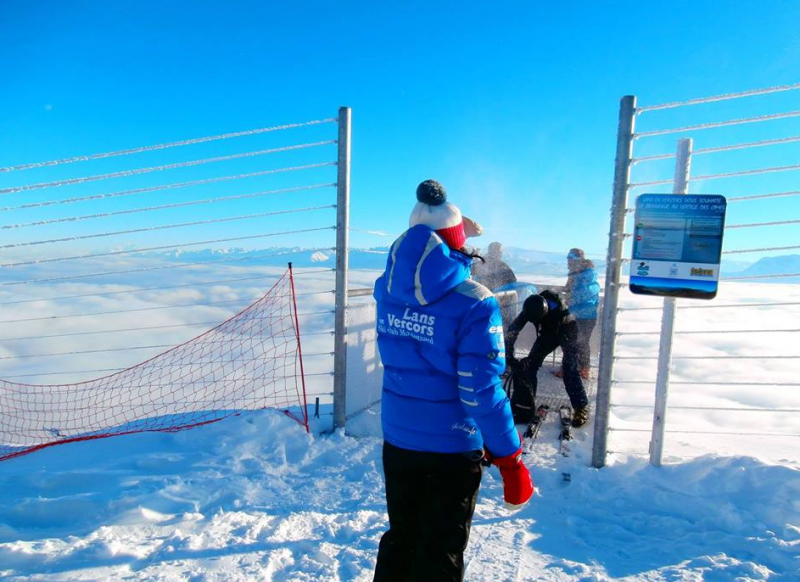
[
  {"x": 683, "y": 165},
  {"x": 342, "y": 241},
  {"x": 622, "y": 172}
]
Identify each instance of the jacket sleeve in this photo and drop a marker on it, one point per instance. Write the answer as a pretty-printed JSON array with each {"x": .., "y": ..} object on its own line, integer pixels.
[
  {"x": 481, "y": 360},
  {"x": 513, "y": 333}
]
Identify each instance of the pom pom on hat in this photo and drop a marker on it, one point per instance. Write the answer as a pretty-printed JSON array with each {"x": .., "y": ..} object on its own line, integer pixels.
[{"x": 431, "y": 192}]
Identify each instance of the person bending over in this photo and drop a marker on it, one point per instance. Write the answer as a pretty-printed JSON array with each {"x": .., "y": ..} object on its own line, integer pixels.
[{"x": 555, "y": 327}]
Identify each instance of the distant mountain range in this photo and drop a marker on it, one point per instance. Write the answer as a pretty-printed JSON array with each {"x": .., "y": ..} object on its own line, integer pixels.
[
  {"x": 783, "y": 265},
  {"x": 521, "y": 260}
]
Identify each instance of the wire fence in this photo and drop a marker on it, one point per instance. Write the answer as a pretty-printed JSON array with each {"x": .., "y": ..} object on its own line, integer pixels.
[
  {"x": 738, "y": 354},
  {"x": 109, "y": 258}
]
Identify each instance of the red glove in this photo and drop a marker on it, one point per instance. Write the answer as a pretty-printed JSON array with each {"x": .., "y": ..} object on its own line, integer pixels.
[{"x": 517, "y": 482}]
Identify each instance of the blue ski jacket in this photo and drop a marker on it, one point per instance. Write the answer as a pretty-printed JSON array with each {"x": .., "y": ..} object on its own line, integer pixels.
[
  {"x": 583, "y": 293},
  {"x": 440, "y": 337}
]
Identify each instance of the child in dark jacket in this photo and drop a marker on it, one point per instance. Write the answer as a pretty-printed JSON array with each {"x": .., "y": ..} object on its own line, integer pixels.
[{"x": 440, "y": 337}]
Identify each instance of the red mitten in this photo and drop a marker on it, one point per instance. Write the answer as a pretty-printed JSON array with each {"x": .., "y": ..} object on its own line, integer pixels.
[{"x": 517, "y": 482}]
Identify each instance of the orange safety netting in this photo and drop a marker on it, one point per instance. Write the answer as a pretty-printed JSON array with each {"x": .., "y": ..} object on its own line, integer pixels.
[{"x": 251, "y": 361}]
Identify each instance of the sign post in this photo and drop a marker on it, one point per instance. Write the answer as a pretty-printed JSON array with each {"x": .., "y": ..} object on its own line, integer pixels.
[{"x": 677, "y": 250}]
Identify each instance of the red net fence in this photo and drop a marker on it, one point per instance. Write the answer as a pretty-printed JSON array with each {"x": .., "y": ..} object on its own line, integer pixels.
[{"x": 249, "y": 362}]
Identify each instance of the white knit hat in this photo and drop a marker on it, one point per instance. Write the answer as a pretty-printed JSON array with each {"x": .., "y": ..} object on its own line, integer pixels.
[{"x": 433, "y": 210}]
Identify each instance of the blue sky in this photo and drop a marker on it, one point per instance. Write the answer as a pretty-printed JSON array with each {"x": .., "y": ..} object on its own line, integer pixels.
[{"x": 512, "y": 105}]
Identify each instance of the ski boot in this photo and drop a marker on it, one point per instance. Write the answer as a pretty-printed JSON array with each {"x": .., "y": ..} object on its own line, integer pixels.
[{"x": 580, "y": 417}]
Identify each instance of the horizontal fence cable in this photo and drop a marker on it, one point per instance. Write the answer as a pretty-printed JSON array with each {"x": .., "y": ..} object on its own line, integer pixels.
[
  {"x": 141, "y": 309},
  {"x": 171, "y": 186},
  {"x": 711, "y": 331},
  {"x": 169, "y": 206},
  {"x": 167, "y": 226},
  {"x": 716, "y": 98},
  {"x": 139, "y": 171},
  {"x": 725, "y": 408},
  {"x": 700, "y": 152},
  {"x": 733, "y": 305},
  {"x": 705, "y": 383},
  {"x": 715, "y": 124},
  {"x": 116, "y": 370},
  {"x": 161, "y": 288},
  {"x": 130, "y": 329},
  {"x": 763, "y": 196},
  {"x": 760, "y": 250},
  {"x": 759, "y": 224},
  {"x": 710, "y": 357},
  {"x": 611, "y": 428},
  {"x": 98, "y": 370},
  {"x": 767, "y": 434},
  {"x": 754, "y": 172},
  {"x": 162, "y": 146},
  {"x": 122, "y": 349},
  {"x": 82, "y": 352},
  {"x": 750, "y": 277},
  {"x": 730, "y": 433},
  {"x": 160, "y": 248},
  {"x": 163, "y": 267}
]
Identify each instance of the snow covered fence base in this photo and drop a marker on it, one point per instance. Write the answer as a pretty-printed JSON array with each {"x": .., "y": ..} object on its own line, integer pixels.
[{"x": 249, "y": 362}]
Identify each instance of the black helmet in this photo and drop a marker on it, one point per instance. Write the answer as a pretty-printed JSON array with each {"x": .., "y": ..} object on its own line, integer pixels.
[{"x": 535, "y": 308}]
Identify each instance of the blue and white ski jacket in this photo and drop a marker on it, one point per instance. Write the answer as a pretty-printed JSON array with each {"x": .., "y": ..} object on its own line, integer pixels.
[
  {"x": 583, "y": 294},
  {"x": 440, "y": 337}
]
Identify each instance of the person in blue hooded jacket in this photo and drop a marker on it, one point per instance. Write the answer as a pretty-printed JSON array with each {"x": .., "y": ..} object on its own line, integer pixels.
[
  {"x": 443, "y": 408},
  {"x": 582, "y": 298}
]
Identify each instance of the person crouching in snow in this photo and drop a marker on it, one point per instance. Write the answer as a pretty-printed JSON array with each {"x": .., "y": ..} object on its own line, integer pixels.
[
  {"x": 443, "y": 407},
  {"x": 555, "y": 327}
]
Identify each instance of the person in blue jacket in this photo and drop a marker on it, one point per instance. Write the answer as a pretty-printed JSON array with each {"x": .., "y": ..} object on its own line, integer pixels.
[
  {"x": 443, "y": 408},
  {"x": 582, "y": 298}
]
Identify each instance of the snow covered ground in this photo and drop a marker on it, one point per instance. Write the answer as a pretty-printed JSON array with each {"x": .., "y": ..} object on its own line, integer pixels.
[{"x": 256, "y": 498}]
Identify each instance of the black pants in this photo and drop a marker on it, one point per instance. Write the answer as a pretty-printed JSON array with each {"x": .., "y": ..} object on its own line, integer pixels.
[
  {"x": 526, "y": 381},
  {"x": 431, "y": 498},
  {"x": 585, "y": 328}
]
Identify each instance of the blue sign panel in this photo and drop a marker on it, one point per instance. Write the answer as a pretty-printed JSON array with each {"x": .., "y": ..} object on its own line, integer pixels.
[{"x": 677, "y": 245}]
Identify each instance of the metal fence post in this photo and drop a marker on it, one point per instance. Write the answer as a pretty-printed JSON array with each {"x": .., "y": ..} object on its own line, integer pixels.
[
  {"x": 342, "y": 249},
  {"x": 622, "y": 171},
  {"x": 683, "y": 164}
]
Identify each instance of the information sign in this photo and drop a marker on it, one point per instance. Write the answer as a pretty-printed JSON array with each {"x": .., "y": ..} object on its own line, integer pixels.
[{"x": 677, "y": 245}]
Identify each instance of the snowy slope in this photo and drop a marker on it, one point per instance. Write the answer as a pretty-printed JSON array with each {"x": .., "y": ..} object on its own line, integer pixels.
[{"x": 256, "y": 498}]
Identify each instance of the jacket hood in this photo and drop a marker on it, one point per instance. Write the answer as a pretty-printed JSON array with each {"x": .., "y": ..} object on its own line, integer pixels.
[{"x": 421, "y": 268}]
